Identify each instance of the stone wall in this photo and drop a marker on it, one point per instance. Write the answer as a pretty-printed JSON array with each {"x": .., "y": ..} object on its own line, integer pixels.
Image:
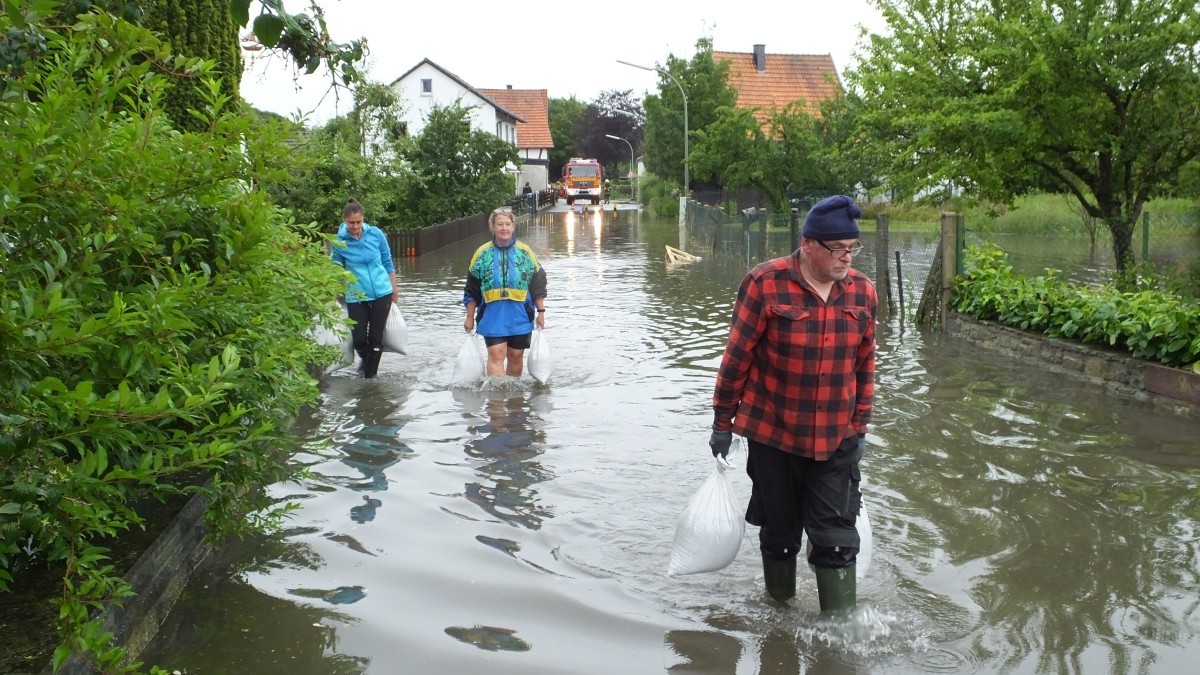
[{"x": 1176, "y": 391}]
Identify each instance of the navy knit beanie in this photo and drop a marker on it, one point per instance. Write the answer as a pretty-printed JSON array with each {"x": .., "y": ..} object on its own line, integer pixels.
[{"x": 834, "y": 217}]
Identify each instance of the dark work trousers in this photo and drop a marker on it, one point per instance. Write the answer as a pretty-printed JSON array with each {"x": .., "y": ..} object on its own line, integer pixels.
[
  {"x": 792, "y": 495},
  {"x": 370, "y": 318}
]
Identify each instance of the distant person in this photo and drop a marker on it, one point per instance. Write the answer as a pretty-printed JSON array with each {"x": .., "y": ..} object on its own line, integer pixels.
[
  {"x": 797, "y": 380},
  {"x": 505, "y": 296},
  {"x": 527, "y": 194},
  {"x": 366, "y": 254}
]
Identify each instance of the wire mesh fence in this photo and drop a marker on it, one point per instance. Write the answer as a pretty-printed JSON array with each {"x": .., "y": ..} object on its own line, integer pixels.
[
  {"x": 1083, "y": 252},
  {"x": 899, "y": 255}
]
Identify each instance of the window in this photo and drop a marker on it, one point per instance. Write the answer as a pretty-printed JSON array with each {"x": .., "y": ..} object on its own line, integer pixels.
[{"x": 426, "y": 87}]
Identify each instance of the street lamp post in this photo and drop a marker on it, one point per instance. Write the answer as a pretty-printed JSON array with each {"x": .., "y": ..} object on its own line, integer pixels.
[
  {"x": 686, "y": 182},
  {"x": 632, "y": 168}
]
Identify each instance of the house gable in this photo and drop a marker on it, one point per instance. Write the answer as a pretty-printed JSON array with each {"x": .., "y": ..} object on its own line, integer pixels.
[
  {"x": 771, "y": 81},
  {"x": 427, "y": 85},
  {"x": 533, "y": 106},
  {"x": 533, "y": 131}
]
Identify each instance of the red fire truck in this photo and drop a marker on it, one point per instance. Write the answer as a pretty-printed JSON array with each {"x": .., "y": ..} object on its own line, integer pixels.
[{"x": 583, "y": 179}]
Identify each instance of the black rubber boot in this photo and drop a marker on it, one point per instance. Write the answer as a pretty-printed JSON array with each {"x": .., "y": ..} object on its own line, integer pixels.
[
  {"x": 837, "y": 589},
  {"x": 371, "y": 363},
  {"x": 780, "y": 577}
]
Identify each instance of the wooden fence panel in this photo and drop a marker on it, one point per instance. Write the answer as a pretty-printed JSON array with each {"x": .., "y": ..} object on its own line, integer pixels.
[{"x": 411, "y": 243}]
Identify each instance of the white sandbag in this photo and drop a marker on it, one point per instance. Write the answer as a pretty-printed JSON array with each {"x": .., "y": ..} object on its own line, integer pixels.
[
  {"x": 395, "y": 333},
  {"x": 541, "y": 365},
  {"x": 710, "y": 529},
  {"x": 348, "y": 358},
  {"x": 333, "y": 337},
  {"x": 469, "y": 366},
  {"x": 866, "y": 544},
  {"x": 324, "y": 335}
]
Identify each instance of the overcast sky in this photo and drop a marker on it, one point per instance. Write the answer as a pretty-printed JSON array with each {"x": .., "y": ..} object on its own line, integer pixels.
[{"x": 566, "y": 47}]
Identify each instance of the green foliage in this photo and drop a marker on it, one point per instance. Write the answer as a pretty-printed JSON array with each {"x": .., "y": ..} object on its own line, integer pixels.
[
  {"x": 154, "y": 312},
  {"x": 786, "y": 156},
  {"x": 449, "y": 171},
  {"x": 303, "y": 38},
  {"x": 351, "y": 156},
  {"x": 704, "y": 81},
  {"x": 659, "y": 197},
  {"x": 456, "y": 171},
  {"x": 565, "y": 114},
  {"x": 601, "y": 119},
  {"x": 204, "y": 29},
  {"x": 1093, "y": 99},
  {"x": 1148, "y": 323}
]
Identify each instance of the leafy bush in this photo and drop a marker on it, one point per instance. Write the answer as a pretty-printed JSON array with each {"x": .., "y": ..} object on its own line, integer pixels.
[
  {"x": 153, "y": 311},
  {"x": 659, "y": 197},
  {"x": 1147, "y": 322}
]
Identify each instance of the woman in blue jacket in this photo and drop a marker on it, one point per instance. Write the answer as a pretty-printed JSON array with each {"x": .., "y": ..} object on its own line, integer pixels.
[
  {"x": 505, "y": 296},
  {"x": 364, "y": 251}
]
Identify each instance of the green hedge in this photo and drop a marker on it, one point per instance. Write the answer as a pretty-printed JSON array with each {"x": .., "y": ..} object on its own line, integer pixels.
[
  {"x": 154, "y": 311},
  {"x": 1148, "y": 323}
]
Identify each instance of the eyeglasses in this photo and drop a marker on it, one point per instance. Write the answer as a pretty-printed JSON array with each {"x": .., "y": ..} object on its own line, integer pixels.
[{"x": 839, "y": 251}]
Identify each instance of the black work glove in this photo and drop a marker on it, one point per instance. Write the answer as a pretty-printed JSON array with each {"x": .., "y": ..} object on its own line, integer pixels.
[{"x": 720, "y": 442}]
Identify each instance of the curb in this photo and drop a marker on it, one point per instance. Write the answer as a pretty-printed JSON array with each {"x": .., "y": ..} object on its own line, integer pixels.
[
  {"x": 158, "y": 578},
  {"x": 1174, "y": 390}
]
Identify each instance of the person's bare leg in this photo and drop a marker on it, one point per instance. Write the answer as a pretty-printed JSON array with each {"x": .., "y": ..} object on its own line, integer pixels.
[
  {"x": 516, "y": 362},
  {"x": 495, "y": 362}
]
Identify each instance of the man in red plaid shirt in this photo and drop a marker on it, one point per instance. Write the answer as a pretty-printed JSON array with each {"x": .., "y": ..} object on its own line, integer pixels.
[{"x": 797, "y": 381}]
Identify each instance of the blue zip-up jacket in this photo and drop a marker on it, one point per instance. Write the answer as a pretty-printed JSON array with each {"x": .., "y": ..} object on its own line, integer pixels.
[
  {"x": 505, "y": 281},
  {"x": 369, "y": 259}
]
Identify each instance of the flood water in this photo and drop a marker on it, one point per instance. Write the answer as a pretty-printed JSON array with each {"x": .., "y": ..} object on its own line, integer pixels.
[{"x": 1023, "y": 522}]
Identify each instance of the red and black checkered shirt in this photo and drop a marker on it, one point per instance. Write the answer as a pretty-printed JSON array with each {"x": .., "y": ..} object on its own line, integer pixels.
[{"x": 798, "y": 372}]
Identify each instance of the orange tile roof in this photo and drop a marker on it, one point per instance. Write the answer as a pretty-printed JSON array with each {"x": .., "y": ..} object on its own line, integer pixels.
[
  {"x": 786, "y": 78},
  {"x": 533, "y": 106}
]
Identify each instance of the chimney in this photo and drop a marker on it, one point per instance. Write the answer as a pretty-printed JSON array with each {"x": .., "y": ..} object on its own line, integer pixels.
[
  {"x": 760, "y": 58},
  {"x": 509, "y": 86}
]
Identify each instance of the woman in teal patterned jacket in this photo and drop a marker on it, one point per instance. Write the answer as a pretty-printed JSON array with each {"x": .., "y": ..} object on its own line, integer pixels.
[{"x": 505, "y": 296}]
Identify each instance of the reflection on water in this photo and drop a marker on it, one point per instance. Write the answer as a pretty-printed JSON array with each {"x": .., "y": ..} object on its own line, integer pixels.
[
  {"x": 489, "y": 638},
  {"x": 1023, "y": 522},
  {"x": 505, "y": 449}
]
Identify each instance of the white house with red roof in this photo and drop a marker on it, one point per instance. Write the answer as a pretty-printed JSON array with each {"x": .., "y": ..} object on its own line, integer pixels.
[
  {"x": 427, "y": 85},
  {"x": 533, "y": 132}
]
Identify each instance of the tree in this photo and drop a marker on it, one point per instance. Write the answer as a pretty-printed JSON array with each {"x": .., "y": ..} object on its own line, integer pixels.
[
  {"x": 853, "y": 161},
  {"x": 304, "y": 38},
  {"x": 564, "y": 114},
  {"x": 785, "y": 157},
  {"x": 457, "y": 171},
  {"x": 355, "y": 155},
  {"x": 613, "y": 112},
  {"x": 704, "y": 81},
  {"x": 1101, "y": 99},
  {"x": 204, "y": 29}
]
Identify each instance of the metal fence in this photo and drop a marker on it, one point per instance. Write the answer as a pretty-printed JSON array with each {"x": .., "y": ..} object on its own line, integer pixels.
[
  {"x": 900, "y": 255},
  {"x": 1082, "y": 252}
]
